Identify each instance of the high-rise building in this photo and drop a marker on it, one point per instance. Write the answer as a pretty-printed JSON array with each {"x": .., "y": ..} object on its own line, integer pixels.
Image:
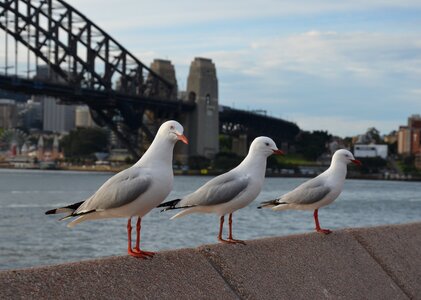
[
  {"x": 83, "y": 117},
  {"x": 30, "y": 114},
  {"x": 409, "y": 137},
  {"x": 8, "y": 113},
  {"x": 57, "y": 117}
]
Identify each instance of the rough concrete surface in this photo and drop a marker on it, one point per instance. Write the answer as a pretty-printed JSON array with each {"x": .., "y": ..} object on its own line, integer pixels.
[
  {"x": 398, "y": 250},
  {"x": 367, "y": 263},
  {"x": 169, "y": 275},
  {"x": 310, "y": 266}
]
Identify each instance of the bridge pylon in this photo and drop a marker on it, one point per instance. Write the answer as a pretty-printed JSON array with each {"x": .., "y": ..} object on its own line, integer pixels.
[{"x": 202, "y": 124}]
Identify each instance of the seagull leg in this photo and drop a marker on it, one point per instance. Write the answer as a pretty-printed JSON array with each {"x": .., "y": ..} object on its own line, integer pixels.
[
  {"x": 129, "y": 238},
  {"x": 221, "y": 226},
  {"x": 137, "y": 247},
  {"x": 316, "y": 220},
  {"x": 230, "y": 239}
]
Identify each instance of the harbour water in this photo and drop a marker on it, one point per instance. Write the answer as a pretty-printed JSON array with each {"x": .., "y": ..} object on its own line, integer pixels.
[{"x": 30, "y": 238}]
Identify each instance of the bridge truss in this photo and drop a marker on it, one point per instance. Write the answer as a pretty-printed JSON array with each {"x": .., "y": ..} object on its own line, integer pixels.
[{"x": 85, "y": 65}]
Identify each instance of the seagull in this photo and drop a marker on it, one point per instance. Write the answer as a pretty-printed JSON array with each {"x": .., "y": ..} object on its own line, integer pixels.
[
  {"x": 319, "y": 191},
  {"x": 230, "y": 191},
  {"x": 134, "y": 191}
]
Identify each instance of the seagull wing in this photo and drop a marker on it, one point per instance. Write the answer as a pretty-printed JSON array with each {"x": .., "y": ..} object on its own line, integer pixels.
[
  {"x": 117, "y": 191},
  {"x": 221, "y": 189},
  {"x": 310, "y": 192}
]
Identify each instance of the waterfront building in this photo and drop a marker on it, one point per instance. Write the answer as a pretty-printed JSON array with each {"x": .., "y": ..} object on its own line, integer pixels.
[
  {"x": 371, "y": 150},
  {"x": 83, "y": 117},
  {"x": 409, "y": 137},
  {"x": 8, "y": 113},
  {"x": 57, "y": 118}
]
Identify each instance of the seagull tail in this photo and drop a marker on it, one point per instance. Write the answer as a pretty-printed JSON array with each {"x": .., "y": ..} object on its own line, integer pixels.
[
  {"x": 270, "y": 203},
  {"x": 66, "y": 209},
  {"x": 169, "y": 204}
]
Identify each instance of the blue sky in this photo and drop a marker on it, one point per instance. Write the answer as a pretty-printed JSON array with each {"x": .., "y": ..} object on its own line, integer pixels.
[{"x": 341, "y": 66}]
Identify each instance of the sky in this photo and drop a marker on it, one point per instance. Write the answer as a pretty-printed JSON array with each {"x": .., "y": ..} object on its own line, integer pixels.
[{"x": 340, "y": 66}]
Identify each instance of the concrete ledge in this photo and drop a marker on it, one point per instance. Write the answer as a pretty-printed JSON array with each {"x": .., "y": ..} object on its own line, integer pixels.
[{"x": 368, "y": 263}]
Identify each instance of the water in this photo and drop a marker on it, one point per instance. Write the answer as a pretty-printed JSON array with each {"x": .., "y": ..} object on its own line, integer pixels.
[{"x": 30, "y": 238}]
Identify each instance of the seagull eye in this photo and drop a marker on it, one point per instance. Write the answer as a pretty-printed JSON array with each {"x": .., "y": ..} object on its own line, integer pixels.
[
  {"x": 172, "y": 127},
  {"x": 267, "y": 144}
]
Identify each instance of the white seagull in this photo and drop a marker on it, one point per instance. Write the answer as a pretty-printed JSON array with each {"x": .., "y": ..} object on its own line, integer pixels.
[
  {"x": 319, "y": 191},
  {"x": 230, "y": 191},
  {"x": 135, "y": 191}
]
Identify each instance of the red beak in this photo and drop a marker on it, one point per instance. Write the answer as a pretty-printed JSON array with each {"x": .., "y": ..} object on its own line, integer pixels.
[
  {"x": 278, "y": 152},
  {"x": 357, "y": 162},
  {"x": 182, "y": 138}
]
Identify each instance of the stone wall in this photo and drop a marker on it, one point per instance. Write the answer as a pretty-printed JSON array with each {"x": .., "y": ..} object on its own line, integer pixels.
[{"x": 367, "y": 263}]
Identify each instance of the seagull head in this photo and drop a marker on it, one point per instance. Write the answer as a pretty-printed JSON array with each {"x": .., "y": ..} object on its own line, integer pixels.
[
  {"x": 264, "y": 145},
  {"x": 173, "y": 131},
  {"x": 346, "y": 157}
]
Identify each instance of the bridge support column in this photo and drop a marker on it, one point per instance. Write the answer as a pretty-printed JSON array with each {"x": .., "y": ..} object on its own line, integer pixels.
[{"x": 203, "y": 123}]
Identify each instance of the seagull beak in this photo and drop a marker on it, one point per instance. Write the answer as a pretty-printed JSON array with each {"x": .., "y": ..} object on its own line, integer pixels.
[
  {"x": 182, "y": 138},
  {"x": 357, "y": 162},
  {"x": 278, "y": 152}
]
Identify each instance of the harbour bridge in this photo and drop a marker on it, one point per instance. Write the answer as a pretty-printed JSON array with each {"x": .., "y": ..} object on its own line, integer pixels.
[{"x": 86, "y": 65}]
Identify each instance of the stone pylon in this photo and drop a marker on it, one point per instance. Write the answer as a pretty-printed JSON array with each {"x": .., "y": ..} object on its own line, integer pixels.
[{"x": 202, "y": 125}]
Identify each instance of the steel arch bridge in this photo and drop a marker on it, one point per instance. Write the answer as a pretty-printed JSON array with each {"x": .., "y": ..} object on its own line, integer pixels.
[
  {"x": 234, "y": 122},
  {"x": 85, "y": 65}
]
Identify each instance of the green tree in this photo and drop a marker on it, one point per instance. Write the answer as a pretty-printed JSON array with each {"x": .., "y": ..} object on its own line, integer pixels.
[
  {"x": 84, "y": 142},
  {"x": 226, "y": 160},
  {"x": 198, "y": 162},
  {"x": 225, "y": 143},
  {"x": 312, "y": 144}
]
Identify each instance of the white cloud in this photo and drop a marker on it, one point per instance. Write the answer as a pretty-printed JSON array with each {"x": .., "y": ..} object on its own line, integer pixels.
[
  {"x": 167, "y": 13},
  {"x": 343, "y": 126}
]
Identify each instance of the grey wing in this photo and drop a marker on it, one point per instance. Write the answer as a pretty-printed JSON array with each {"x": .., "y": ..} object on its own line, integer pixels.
[
  {"x": 219, "y": 190},
  {"x": 305, "y": 194},
  {"x": 117, "y": 191}
]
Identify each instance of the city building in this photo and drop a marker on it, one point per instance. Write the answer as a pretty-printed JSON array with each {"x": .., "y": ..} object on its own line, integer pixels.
[
  {"x": 8, "y": 114},
  {"x": 83, "y": 117},
  {"x": 57, "y": 118},
  {"x": 30, "y": 114},
  {"x": 409, "y": 137},
  {"x": 371, "y": 150}
]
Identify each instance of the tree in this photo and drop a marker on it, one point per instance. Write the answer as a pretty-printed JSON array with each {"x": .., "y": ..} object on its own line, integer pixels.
[
  {"x": 313, "y": 144},
  {"x": 198, "y": 162},
  {"x": 84, "y": 142},
  {"x": 226, "y": 161}
]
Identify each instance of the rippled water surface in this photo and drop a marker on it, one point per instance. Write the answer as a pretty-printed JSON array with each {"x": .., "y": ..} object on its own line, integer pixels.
[{"x": 30, "y": 238}]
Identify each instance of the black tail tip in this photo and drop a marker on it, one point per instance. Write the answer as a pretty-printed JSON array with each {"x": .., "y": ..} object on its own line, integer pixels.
[
  {"x": 170, "y": 204},
  {"x": 51, "y": 211}
]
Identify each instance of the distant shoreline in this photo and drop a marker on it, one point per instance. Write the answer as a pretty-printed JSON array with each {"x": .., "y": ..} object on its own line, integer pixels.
[{"x": 108, "y": 169}]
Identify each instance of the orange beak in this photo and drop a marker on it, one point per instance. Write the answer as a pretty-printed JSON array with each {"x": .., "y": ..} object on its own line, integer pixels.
[
  {"x": 278, "y": 152},
  {"x": 357, "y": 162},
  {"x": 182, "y": 138}
]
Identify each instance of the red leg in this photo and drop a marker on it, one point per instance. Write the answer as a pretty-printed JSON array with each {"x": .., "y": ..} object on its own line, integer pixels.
[
  {"x": 230, "y": 233},
  {"x": 221, "y": 226},
  {"x": 137, "y": 247},
  {"x": 129, "y": 239},
  {"x": 316, "y": 220}
]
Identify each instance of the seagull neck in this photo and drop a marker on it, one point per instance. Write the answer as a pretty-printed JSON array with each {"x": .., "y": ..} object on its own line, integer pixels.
[
  {"x": 255, "y": 162},
  {"x": 161, "y": 150},
  {"x": 339, "y": 169}
]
